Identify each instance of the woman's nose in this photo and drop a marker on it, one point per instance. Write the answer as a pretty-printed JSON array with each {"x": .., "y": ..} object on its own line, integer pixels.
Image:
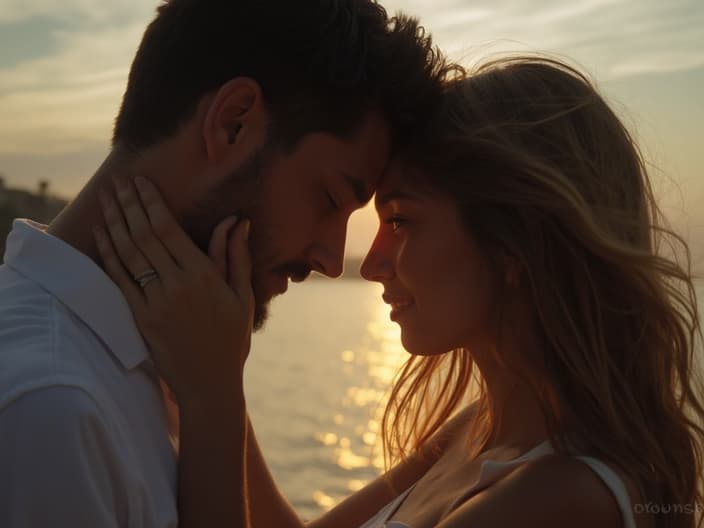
[{"x": 376, "y": 266}]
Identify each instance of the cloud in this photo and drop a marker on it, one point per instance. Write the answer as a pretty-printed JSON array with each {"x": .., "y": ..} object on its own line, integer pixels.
[
  {"x": 67, "y": 100},
  {"x": 14, "y": 11},
  {"x": 616, "y": 37},
  {"x": 658, "y": 63},
  {"x": 458, "y": 17}
]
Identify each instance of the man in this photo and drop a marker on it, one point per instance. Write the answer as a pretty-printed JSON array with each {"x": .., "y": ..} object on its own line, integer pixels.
[{"x": 281, "y": 112}]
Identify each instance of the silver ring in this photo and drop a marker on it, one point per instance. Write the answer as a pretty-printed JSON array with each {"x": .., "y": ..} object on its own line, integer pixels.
[{"x": 146, "y": 277}]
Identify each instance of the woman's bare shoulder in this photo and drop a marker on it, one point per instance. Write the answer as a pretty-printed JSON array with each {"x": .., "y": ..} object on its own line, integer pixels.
[
  {"x": 454, "y": 427},
  {"x": 357, "y": 508},
  {"x": 552, "y": 491}
]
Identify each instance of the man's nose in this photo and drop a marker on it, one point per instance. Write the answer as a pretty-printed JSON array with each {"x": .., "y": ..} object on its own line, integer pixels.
[{"x": 328, "y": 255}]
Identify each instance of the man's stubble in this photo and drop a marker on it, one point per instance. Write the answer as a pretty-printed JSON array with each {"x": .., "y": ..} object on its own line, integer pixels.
[{"x": 241, "y": 194}]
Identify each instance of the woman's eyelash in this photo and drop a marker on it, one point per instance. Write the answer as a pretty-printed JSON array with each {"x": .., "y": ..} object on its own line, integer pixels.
[{"x": 396, "y": 222}]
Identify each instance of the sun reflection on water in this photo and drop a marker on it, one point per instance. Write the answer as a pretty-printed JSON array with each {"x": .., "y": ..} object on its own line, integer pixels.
[{"x": 379, "y": 357}]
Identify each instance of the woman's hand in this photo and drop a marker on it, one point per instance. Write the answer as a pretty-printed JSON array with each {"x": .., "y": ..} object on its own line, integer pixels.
[{"x": 197, "y": 325}]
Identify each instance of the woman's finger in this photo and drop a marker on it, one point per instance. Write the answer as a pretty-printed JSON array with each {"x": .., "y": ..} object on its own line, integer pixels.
[
  {"x": 128, "y": 253},
  {"x": 140, "y": 230},
  {"x": 182, "y": 249},
  {"x": 116, "y": 271},
  {"x": 240, "y": 261},
  {"x": 217, "y": 249}
]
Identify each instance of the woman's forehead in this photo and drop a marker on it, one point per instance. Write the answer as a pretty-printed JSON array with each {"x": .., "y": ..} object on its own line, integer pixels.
[
  {"x": 399, "y": 175},
  {"x": 407, "y": 191}
]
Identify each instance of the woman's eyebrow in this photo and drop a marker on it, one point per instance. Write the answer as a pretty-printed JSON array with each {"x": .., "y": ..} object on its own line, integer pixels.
[{"x": 396, "y": 194}]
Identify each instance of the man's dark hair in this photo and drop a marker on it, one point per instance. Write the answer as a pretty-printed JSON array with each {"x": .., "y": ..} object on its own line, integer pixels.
[{"x": 321, "y": 64}]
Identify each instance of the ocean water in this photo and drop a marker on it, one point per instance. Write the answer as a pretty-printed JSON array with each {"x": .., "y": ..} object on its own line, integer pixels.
[{"x": 315, "y": 382}]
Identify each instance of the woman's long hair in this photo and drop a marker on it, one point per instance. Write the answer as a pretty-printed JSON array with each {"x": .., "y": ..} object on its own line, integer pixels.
[{"x": 541, "y": 169}]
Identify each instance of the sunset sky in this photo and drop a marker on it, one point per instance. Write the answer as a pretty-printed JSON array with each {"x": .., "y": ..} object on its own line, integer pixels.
[{"x": 64, "y": 65}]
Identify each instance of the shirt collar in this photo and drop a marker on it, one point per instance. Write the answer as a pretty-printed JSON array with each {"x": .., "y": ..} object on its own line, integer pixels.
[{"x": 78, "y": 283}]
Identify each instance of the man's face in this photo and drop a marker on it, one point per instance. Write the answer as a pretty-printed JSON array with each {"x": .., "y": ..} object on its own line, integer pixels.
[{"x": 299, "y": 204}]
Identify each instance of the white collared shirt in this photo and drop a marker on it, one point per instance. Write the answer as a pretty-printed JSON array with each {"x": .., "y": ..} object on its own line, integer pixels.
[{"x": 83, "y": 430}]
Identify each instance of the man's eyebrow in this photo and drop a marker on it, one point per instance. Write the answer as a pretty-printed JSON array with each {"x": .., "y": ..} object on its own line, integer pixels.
[
  {"x": 383, "y": 199},
  {"x": 361, "y": 194}
]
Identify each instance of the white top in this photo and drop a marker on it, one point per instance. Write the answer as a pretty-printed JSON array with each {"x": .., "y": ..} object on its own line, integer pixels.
[
  {"x": 83, "y": 430},
  {"x": 492, "y": 471}
]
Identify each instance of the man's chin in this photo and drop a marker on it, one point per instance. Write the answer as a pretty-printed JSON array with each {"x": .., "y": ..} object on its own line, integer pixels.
[
  {"x": 261, "y": 314},
  {"x": 267, "y": 288},
  {"x": 261, "y": 309}
]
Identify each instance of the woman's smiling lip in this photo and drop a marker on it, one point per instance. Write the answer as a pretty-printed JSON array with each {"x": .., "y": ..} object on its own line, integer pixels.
[
  {"x": 398, "y": 309},
  {"x": 398, "y": 304}
]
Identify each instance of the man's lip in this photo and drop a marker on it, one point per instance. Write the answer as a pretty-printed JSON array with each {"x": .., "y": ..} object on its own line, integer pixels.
[
  {"x": 298, "y": 278},
  {"x": 293, "y": 272}
]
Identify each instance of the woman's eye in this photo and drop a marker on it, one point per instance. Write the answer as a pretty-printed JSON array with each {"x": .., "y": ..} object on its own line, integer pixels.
[{"x": 395, "y": 222}]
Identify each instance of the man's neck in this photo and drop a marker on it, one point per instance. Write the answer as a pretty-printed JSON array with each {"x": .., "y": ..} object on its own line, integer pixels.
[{"x": 75, "y": 223}]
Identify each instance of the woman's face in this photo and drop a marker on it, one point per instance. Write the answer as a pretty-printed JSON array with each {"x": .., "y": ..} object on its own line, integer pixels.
[{"x": 434, "y": 276}]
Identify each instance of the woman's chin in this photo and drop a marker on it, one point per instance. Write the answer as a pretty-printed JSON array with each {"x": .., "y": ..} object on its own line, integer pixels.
[{"x": 421, "y": 347}]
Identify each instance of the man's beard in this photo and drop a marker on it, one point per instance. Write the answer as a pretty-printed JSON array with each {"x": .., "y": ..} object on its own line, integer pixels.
[{"x": 242, "y": 195}]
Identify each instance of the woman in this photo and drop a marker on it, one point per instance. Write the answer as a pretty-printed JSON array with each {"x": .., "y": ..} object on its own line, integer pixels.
[{"x": 519, "y": 248}]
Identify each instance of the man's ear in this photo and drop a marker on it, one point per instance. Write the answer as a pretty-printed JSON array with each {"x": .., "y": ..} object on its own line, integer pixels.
[{"x": 235, "y": 122}]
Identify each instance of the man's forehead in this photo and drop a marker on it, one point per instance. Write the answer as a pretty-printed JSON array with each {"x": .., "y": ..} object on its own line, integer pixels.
[
  {"x": 362, "y": 190},
  {"x": 371, "y": 155},
  {"x": 395, "y": 185}
]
